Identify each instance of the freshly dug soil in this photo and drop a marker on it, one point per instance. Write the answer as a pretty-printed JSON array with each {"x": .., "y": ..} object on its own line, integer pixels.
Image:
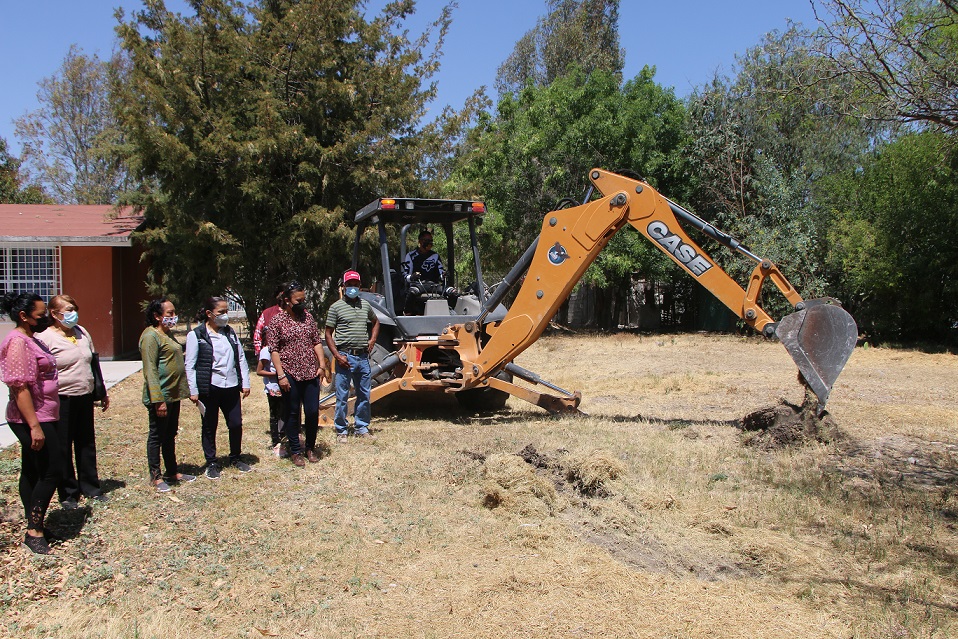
[{"x": 785, "y": 425}]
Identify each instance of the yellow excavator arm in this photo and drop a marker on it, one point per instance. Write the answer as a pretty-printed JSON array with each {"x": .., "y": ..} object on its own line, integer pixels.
[{"x": 820, "y": 335}]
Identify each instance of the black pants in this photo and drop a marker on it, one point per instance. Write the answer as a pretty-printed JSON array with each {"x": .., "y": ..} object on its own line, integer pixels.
[
  {"x": 40, "y": 472},
  {"x": 305, "y": 394},
  {"x": 275, "y": 417},
  {"x": 77, "y": 441},
  {"x": 162, "y": 438},
  {"x": 227, "y": 401}
]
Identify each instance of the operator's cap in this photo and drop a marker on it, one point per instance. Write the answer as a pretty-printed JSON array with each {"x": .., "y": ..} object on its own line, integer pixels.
[{"x": 349, "y": 276}]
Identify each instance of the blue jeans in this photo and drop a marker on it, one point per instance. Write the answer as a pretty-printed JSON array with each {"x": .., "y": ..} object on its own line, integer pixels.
[{"x": 358, "y": 374}]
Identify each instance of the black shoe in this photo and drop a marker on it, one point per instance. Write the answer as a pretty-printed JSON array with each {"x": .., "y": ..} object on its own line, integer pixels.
[
  {"x": 243, "y": 467},
  {"x": 68, "y": 504},
  {"x": 37, "y": 545},
  {"x": 212, "y": 471}
]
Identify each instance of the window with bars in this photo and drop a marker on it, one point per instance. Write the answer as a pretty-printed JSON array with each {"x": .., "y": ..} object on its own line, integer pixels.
[{"x": 30, "y": 268}]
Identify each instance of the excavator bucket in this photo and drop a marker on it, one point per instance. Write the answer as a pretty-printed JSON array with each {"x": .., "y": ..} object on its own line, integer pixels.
[{"x": 820, "y": 338}]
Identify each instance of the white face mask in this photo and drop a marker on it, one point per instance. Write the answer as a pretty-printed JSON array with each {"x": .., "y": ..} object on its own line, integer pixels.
[
  {"x": 221, "y": 320},
  {"x": 170, "y": 322}
]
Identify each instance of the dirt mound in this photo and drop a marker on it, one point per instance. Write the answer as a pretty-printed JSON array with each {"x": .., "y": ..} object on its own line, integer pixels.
[{"x": 786, "y": 424}]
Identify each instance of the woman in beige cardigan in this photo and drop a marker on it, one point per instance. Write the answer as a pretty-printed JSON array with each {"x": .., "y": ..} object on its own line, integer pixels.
[{"x": 73, "y": 348}]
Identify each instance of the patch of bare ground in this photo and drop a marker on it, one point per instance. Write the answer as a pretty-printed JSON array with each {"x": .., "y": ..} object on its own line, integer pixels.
[{"x": 647, "y": 518}]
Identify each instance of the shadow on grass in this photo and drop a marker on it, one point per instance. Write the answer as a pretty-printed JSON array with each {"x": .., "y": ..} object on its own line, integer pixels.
[
  {"x": 67, "y": 524},
  {"x": 670, "y": 424},
  {"x": 884, "y": 595},
  {"x": 109, "y": 485}
]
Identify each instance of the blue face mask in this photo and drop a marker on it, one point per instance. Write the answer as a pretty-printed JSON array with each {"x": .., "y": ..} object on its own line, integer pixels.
[
  {"x": 352, "y": 292},
  {"x": 70, "y": 319}
]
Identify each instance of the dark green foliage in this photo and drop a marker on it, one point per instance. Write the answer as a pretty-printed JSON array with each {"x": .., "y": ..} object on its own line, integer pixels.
[
  {"x": 258, "y": 129},
  {"x": 895, "y": 239}
]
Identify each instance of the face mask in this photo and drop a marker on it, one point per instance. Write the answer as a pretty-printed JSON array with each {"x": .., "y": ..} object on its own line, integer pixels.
[
  {"x": 299, "y": 307},
  {"x": 221, "y": 320},
  {"x": 43, "y": 323},
  {"x": 170, "y": 322},
  {"x": 352, "y": 292},
  {"x": 70, "y": 319}
]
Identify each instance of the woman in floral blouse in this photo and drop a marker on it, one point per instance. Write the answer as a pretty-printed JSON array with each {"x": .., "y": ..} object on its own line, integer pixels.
[
  {"x": 30, "y": 371},
  {"x": 296, "y": 349}
]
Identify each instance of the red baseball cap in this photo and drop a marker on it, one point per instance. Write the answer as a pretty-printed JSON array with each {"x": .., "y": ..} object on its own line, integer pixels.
[{"x": 351, "y": 275}]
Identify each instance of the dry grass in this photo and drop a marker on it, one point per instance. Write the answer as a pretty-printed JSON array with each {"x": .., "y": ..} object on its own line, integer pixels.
[{"x": 649, "y": 518}]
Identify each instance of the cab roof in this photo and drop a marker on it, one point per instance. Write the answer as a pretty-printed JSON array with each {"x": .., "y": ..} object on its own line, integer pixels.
[{"x": 404, "y": 210}]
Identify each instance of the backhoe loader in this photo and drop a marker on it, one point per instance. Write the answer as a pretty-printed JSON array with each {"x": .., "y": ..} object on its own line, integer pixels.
[{"x": 465, "y": 342}]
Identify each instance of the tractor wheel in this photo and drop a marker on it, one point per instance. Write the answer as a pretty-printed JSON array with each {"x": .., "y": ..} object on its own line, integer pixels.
[{"x": 483, "y": 400}]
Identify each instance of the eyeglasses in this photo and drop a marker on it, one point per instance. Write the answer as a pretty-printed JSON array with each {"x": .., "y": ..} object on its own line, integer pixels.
[{"x": 427, "y": 243}]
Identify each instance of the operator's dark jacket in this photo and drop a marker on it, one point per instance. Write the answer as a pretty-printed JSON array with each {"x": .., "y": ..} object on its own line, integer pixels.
[{"x": 204, "y": 356}]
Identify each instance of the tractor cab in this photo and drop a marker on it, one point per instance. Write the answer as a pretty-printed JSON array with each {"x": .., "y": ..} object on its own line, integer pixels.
[{"x": 411, "y": 303}]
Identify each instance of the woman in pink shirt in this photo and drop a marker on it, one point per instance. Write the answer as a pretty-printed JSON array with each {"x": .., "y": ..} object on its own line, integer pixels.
[
  {"x": 72, "y": 347},
  {"x": 30, "y": 371}
]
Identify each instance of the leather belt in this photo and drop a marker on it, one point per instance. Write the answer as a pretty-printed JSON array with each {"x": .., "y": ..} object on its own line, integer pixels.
[{"x": 353, "y": 351}]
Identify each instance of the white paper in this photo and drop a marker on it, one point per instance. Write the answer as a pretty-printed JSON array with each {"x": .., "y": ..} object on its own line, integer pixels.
[{"x": 202, "y": 408}]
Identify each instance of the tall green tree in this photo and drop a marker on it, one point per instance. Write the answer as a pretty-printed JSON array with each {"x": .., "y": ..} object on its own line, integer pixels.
[
  {"x": 69, "y": 143},
  {"x": 259, "y": 128},
  {"x": 539, "y": 148},
  {"x": 12, "y": 187},
  {"x": 761, "y": 151},
  {"x": 895, "y": 238},
  {"x": 573, "y": 33}
]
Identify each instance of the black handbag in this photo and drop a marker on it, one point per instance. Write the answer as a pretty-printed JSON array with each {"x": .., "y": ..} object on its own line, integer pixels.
[{"x": 99, "y": 387}]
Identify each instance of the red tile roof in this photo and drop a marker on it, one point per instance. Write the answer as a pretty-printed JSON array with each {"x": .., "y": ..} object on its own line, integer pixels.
[{"x": 70, "y": 224}]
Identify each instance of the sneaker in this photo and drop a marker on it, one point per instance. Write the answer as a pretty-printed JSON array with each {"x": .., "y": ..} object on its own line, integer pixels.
[
  {"x": 36, "y": 545},
  {"x": 311, "y": 456},
  {"x": 367, "y": 435},
  {"x": 212, "y": 471},
  {"x": 297, "y": 460},
  {"x": 162, "y": 487},
  {"x": 67, "y": 504},
  {"x": 243, "y": 467},
  {"x": 183, "y": 478},
  {"x": 280, "y": 450},
  {"x": 101, "y": 498},
  {"x": 341, "y": 438}
]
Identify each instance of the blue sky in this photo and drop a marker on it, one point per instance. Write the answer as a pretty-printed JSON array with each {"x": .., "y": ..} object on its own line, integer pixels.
[{"x": 686, "y": 40}]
